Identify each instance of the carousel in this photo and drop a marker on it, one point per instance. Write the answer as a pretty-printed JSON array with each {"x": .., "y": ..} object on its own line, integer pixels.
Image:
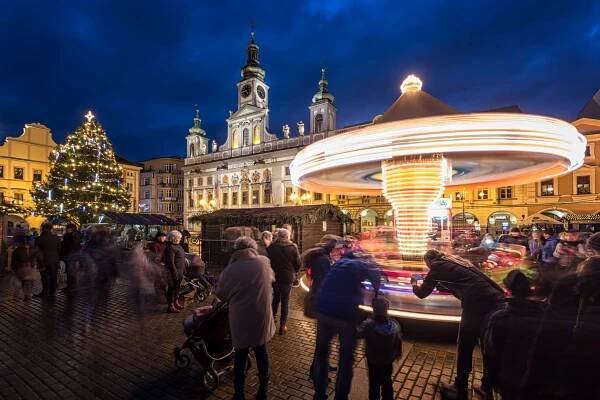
[{"x": 413, "y": 152}]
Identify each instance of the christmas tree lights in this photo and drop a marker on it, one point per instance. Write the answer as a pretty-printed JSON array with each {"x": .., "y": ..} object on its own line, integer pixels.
[{"x": 84, "y": 178}]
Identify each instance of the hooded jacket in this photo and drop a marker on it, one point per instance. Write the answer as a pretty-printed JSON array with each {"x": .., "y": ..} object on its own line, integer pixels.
[
  {"x": 285, "y": 261},
  {"x": 383, "y": 340}
]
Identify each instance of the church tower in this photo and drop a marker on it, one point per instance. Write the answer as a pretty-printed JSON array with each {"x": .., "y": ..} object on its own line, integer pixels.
[
  {"x": 197, "y": 142},
  {"x": 249, "y": 124},
  {"x": 322, "y": 111}
]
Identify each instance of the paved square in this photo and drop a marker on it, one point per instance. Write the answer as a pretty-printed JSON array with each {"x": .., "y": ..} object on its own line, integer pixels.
[{"x": 117, "y": 343}]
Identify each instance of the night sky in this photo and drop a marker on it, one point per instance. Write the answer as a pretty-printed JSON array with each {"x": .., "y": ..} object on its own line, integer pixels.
[{"x": 141, "y": 66}]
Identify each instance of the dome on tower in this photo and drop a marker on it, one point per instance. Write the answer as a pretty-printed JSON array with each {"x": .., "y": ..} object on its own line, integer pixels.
[
  {"x": 196, "y": 129},
  {"x": 323, "y": 93}
]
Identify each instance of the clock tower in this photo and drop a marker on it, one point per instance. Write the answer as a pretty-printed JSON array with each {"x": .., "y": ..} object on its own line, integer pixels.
[
  {"x": 249, "y": 124},
  {"x": 322, "y": 110}
]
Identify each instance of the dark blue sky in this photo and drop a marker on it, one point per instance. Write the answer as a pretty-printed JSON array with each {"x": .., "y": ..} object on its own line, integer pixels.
[{"x": 142, "y": 65}]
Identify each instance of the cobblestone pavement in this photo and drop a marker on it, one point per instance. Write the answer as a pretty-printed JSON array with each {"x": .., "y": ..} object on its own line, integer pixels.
[{"x": 118, "y": 344}]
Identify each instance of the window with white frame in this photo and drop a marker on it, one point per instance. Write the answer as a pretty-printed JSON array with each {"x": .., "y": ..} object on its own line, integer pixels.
[
  {"x": 584, "y": 184},
  {"x": 547, "y": 187},
  {"x": 505, "y": 192},
  {"x": 483, "y": 194}
]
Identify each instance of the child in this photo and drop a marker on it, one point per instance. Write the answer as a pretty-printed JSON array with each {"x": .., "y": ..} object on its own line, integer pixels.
[{"x": 383, "y": 339}]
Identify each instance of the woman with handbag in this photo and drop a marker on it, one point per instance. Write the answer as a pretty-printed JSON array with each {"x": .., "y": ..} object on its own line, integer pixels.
[{"x": 24, "y": 259}]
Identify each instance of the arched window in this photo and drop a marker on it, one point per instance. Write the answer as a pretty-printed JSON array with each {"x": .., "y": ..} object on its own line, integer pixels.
[
  {"x": 318, "y": 122},
  {"x": 256, "y": 135},
  {"x": 246, "y": 137},
  {"x": 234, "y": 139},
  {"x": 192, "y": 150}
]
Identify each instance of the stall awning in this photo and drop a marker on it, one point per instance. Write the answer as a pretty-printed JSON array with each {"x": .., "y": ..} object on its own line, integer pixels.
[
  {"x": 539, "y": 218},
  {"x": 140, "y": 219},
  {"x": 583, "y": 218}
]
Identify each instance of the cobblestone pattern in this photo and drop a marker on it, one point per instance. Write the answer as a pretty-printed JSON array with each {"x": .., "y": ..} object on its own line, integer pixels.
[{"x": 118, "y": 343}]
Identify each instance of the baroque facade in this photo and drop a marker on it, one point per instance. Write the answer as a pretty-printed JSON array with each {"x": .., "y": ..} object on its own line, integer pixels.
[
  {"x": 251, "y": 169},
  {"x": 161, "y": 187}
]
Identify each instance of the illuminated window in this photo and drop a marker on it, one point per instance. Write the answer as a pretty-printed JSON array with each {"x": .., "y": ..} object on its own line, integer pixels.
[
  {"x": 505, "y": 192},
  {"x": 547, "y": 187},
  {"x": 234, "y": 139},
  {"x": 256, "y": 136},
  {"x": 234, "y": 198},
  {"x": 225, "y": 199},
  {"x": 245, "y": 199},
  {"x": 19, "y": 198},
  {"x": 37, "y": 175},
  {"x": 483, "y": 194},
  {"x": 267, "y": 196},
  {"x": 584, "y": 184},
  {"x": 146, "y": 194},
  {"x": 459, "y": 196},
  {"x": 318, "y": 196},
  {"x": 318, "y": 122},
  {"x": 18, "y": 173},
  {"x": 288, "y": 194},
  {"x": 147, "y": 181},
  {"x": 255, "y": 194},
  {"x": 169, "y": 167}
]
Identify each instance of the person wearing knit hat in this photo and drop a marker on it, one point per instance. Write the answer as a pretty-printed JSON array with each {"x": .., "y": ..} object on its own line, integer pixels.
[
  {"x": 517, "y": 283},
  {"x": 383, "y": 342}
]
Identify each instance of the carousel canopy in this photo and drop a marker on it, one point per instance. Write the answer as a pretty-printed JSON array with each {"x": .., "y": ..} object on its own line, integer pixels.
[{"x": 539, "y": 218}]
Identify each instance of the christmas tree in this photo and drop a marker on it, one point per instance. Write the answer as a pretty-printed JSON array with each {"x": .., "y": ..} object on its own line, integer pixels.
[{"x": 84, "y": 179}]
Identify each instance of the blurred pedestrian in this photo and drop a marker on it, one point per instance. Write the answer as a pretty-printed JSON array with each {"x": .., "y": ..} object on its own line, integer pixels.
[
  {"x": 337, "y": 309},
  {"x": 266, "y": 238},
  {"x": 536, "y": 243},
  {"x": 246, "y": 284},
  {"x": 318, "y": 262},
  {"x": 593, "y": 245},
  {"x": 570, "y": 250},
  {"x": 102, "y": 256},
  {"x": 24, "y": 259},
  {"x": 175, "y": 264},
  {"x": 285, "y": 261},
  {"x": 383, "y": 342},
  {"x": 510, "y": 334},
  {"x": 48, "y": 244},
  {"x": 479, "y": 296},
  {"x": 551, "y": 240},
  {"x": 69, "y": 254},
  {"x": 157, "y": 247}
]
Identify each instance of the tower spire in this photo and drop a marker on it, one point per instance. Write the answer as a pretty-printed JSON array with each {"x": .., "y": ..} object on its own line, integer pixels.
[
  {"x": 252, "y": 69},
  {"x": 323, "y": 93},
  {"x": 196, "y": 129}
]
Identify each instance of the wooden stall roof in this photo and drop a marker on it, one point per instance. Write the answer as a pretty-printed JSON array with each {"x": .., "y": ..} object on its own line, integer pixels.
[
  {"x": 140, "y": 219},
  {"x": 272, "y": 215}
]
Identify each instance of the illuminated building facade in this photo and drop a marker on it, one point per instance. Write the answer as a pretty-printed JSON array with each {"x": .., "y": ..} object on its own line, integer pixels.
[{"x": 161, "y": 187}]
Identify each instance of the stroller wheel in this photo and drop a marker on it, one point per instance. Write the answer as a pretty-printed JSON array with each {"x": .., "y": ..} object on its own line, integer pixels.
[
  {"x": 182, "y": 361},
  {"x": 209, "y": 379}
]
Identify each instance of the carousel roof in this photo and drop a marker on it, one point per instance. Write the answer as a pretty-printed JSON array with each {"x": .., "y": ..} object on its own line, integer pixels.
[{"x": 414, "y": 103}]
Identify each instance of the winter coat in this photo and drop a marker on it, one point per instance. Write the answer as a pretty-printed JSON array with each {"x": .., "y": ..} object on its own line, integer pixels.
[
  {"x": 341, "y": 292},
  {"x": 285, "y": 261},
  {"x": 25, "y": 257},
  {"x": 262, "y": 248},
  {"x": 473, "y": 288},
  {"x": 548, "y": 250},
  {"x": 569, "y": 254},
  {"x": 71, "y": 244},
  {"x": 49, "y": 246},
  {"x": 535, "y": 249},
  {"x": 247, "y": 285},
  {"x": 510, "y": 335},
  {"x": 175, "y": 261},
  {"x": 319, "y": 263},
  {"x": 158, "y": 250},
  {"x": 383, "y": 340}
]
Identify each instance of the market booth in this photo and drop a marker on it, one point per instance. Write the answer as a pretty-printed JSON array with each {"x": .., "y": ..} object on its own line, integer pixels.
[
  {"x": 130, "y": 227},
  {"x": 309, "y": 224}
]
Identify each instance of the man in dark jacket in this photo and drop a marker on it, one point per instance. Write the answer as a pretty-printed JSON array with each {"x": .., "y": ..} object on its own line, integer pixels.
[
  {"x": 318, "y": 261},
  {"x": 337, "y": 308},
  {"x": 48, "y": 244},
  {"x": 69, "y": 248},
  {"x": 285, "y": 261},
  {"x": 479, "y": 296},
  {"x": 510, "y": 335}
]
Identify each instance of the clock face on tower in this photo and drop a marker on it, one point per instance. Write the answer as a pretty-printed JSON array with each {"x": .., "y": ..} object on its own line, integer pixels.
[
  {"x": 246, "y": 90},
  {"x": 261, "y": 92}
]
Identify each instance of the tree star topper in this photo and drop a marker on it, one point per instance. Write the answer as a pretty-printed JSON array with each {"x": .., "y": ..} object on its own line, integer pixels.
[{"x": 90, "y": 116}]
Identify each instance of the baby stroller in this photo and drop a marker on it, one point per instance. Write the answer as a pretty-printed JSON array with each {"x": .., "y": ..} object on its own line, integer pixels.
[
  {"x": 209, "y": 341},
  {"x": 196, "y": 280}
]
